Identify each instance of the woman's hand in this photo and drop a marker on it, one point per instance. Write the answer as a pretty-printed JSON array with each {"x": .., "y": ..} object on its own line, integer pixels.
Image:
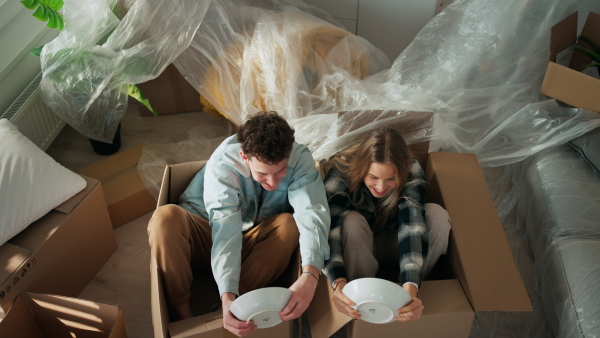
[
  {"x": 231, "y": 323},
  {"x": 414, "y": 309},
  {"x": 343, "y": 303}
]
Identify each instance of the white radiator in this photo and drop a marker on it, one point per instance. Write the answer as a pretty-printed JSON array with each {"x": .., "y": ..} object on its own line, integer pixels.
[{"x": 33, "y": 117}]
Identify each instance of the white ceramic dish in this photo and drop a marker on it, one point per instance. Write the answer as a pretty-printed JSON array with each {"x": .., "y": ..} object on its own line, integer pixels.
[
  {"x": 377, "y": 300},
  {"x": 262, "y": 306}
]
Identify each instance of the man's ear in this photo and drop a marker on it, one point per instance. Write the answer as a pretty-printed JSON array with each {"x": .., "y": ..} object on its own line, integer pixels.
[{"x": 245, "y": 158}]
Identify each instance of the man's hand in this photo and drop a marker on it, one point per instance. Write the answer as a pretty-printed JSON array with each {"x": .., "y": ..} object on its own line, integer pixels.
[
  {"x": 414, "y": 309},
  {"x": 231, "y": 323},
  {"x": 303, "y": 291}
]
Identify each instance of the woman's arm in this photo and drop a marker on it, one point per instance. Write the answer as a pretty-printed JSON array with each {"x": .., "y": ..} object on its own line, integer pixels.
[
  {"x": 412, "y": 233},
  {"x": 336, "y": 189}
]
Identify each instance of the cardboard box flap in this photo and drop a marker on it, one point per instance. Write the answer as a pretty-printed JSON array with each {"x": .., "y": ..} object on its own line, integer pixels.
[
  {"x": 325, "y": 319},
  {"x": 323, "y": 316},
  {"x": 572, "y": 85},
  {"x": 197, "y": 325},
  {"x": 412, "y": 120},
  {"x": 114, "y": 165},
  {"x": 576, "y": 89},
  {"x": 181, "y": 175},
  {"x": 450, "y": 291},
  {"x": 60, "y": 316},
  {"x": 157, "y": 301},
  {"x": 67, "y": 206},
  {"x": 25, "y": 326},
  {"x": 12, "y": 257},
  {"x": 486, "y": 268},
  {"x": 75, "y": 314},
  {"x": 563, "y": 34}
]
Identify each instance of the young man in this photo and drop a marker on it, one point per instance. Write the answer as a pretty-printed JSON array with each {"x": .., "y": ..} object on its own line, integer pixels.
[{"x": 235, "y": 215}]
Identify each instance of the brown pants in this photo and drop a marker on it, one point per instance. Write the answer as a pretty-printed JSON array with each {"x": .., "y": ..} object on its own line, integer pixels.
[{"x": 181, "y": 240}]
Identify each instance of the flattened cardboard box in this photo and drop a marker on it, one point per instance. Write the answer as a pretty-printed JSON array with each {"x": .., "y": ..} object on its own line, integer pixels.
[
  {"x": 62, "y": 251},
  {"x": 126, "y": 195},
  {"x": 569, "y": 84},
  {"x": 170, "y": 93},
  {"x": 38, "y": 315},
  {"x": 478, "y": 273},
  {"x": 207, "y": 325}
]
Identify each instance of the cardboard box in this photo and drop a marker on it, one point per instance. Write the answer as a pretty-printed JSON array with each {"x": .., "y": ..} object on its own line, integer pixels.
[
  {"x": 62, "y": 251},
  {"x": 477, "y": 274},
  {"x": 204, "y": 291},
  {"x": 170, "y": 93},
  {"x": 37, "y": 315},
  {"x": 126, "y": 195},
  {"x": 569, "y": 84}
]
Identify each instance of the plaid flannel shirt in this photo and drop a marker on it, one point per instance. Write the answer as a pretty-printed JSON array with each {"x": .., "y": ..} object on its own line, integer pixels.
[{"x": 408, "y": 224}]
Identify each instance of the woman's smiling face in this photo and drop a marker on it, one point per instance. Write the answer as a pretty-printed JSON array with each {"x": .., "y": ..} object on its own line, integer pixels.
[{"x": 381, "y": 179}]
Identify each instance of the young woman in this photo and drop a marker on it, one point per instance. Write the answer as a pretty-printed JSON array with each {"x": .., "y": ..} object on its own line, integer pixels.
[{"x": 376, "y": 193}]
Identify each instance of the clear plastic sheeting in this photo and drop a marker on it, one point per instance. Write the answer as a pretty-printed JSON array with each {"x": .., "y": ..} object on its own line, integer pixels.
[
  {"x": 276, "y": 55},
  {"x": 200, "y": 143},
  {"x": 469, "y": 82},
  {"x": 101, "y": 50}
]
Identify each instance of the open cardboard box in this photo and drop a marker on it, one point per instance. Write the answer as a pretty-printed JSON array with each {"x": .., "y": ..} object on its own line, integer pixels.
[
  {"x": 127, "y": 197},
  {"x": 477, "y": 274},
  {"x": 62, "y": 251},
  {"x": 204, "y": 291},
  {"x": 170, "y": 93},
  {"x": 569, "y": 84},
  {"x": 38, "y": 315}
]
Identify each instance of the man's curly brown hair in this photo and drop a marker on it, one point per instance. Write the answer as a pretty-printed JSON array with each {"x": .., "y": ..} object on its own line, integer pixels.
[{"x": 266, "y": 136}]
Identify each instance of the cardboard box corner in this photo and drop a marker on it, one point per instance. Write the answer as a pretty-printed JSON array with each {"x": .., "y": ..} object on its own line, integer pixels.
[
  {"x": 41, "y": 258},
  {"x": 126, "y": 194},
  {"x": 42, "y": 315},
  {"x": 567, "y": 84}
]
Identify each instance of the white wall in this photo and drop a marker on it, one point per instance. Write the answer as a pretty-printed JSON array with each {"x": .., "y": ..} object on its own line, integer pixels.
[
  {"x": 19, "y": 33},
  {"x": 391, "y": 25}
]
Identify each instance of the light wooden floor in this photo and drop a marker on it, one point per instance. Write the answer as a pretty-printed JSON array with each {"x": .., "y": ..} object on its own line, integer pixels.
[{"x": 125, "y": 278}]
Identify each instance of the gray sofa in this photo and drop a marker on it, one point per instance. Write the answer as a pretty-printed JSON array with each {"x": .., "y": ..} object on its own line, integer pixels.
[{"x": 560, "y": 203}]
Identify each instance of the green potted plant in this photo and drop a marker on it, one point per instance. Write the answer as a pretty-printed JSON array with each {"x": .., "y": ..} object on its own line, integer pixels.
[
  {"x": 592, "y": 50},
  {"x": 48, "y": 11}
]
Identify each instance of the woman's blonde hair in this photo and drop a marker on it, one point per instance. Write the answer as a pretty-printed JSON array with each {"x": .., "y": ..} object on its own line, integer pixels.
[{"x": 384, "y": 145}]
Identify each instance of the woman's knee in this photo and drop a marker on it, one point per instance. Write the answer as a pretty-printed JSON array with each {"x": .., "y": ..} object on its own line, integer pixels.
[
  {"x": 438, "y": 226},
  {"x": 355, "y": 225},
  {"x": 437, "y": 217}
]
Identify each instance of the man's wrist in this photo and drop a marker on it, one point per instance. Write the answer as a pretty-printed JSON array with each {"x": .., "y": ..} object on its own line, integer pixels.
[
  {"x": 228, "y": 296},
  {"x": 308, "y": 273}
]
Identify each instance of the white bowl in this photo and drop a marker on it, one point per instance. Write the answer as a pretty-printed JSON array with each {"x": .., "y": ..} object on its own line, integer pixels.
[
  {"x": 377, "y": 300},
  {"x": 262, "y": 306}
]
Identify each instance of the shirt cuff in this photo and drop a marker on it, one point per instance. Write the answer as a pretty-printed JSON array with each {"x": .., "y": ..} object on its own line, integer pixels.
[{"x": 415, "y": 284}]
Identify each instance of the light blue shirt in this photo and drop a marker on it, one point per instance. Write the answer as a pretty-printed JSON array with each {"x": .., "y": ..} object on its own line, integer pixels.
[{"x": 225, "y": 193}]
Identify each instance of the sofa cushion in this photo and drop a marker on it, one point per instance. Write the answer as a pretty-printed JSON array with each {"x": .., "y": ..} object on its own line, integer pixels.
[
  {"x": 31, "y": 182},
  {"x": 588, "y": 145}
]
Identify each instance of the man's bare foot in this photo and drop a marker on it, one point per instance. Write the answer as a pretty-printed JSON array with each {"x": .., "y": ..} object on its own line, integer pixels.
[{"x": 183, "y": 311}]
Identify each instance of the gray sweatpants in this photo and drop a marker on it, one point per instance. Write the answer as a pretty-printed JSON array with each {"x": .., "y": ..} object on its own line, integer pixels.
[{"x": 363, "y": 254}]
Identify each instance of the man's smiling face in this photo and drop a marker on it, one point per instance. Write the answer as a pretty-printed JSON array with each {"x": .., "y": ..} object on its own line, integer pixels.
[{"x": 268, "y": 175}]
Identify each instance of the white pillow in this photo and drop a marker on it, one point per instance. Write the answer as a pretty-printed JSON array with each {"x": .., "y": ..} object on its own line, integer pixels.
[{"x": 31, "y": 182}]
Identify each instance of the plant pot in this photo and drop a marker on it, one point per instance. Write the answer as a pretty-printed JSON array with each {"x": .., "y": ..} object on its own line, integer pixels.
[{"x": 103, "y": 148}]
